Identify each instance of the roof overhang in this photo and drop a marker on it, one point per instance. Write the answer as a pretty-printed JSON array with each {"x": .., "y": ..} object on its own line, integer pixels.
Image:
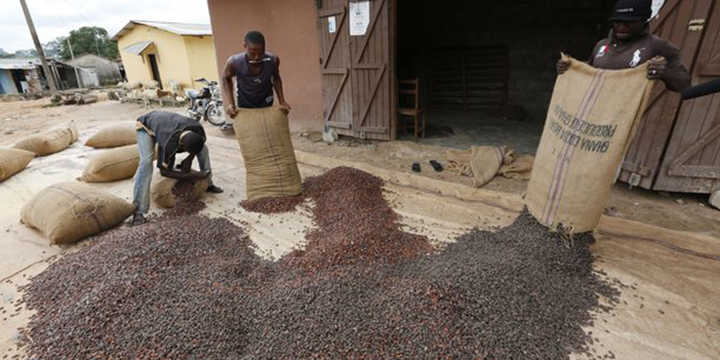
[{"x": 138, "y": 48}]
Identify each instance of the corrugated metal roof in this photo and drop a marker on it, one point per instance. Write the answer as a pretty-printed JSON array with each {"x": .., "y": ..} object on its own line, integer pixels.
[
  {"x": 175, "y": 28},
  {"x": 138, "y": 47},
  {"x": 24, "y": 64}
]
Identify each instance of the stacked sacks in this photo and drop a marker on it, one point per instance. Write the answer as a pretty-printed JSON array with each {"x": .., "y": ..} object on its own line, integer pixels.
[
  {"x": 112, "y": 165},
  {"x": 69, "y": 212},
  {"x": 51, "y": 141},
  {"x": 113, "y": 136},
  {"x": 12, "y": 161},
  {"x": 264, "y": 137}
]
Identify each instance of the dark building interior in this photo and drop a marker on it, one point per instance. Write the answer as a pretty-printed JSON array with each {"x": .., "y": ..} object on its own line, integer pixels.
[{"x": 489, "y": 66}]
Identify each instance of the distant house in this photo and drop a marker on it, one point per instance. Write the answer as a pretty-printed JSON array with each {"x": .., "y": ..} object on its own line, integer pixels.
[
  {"x": 19, "y": 76},
  {"x": 170, "y": 53},
  {"x": 108, "y": 71}
]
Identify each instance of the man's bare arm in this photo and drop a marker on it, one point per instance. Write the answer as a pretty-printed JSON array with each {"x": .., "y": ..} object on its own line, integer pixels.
[
  {"x": 278, "y": 86},
  {"x": 227, "y": 88}
]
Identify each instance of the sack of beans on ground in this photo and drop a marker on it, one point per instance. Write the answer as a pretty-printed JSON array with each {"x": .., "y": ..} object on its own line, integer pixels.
[
  {"x": 112, "y": 165},
  {"x": 166, "y": 192},
  {"x": 264, "y": 137},
  {"x": 69, "y": 212},
  {"x": 592, "y": 117},
  {"x": 113, "y": 136},
  {"x": 51, "y": 141},
  {"x": 12, "y": 161}
]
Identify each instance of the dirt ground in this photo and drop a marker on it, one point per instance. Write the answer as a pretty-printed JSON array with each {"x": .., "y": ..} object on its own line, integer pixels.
[
  {"x": 684, "y": 212},
  {"x": 667, "y": 310}
]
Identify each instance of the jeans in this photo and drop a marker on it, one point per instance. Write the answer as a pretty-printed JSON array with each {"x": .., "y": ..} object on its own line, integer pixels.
[{"x": 143, "y": 176}]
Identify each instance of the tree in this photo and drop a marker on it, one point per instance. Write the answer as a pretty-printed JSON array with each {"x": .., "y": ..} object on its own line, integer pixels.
[
  {"x": 52, "y": 48},
  {"x": 88, "y": 40},
  {"x": 26, "y": 53}
]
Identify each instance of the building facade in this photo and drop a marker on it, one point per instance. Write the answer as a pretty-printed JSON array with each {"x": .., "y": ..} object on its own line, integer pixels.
[{"x": 173, "y": 54}]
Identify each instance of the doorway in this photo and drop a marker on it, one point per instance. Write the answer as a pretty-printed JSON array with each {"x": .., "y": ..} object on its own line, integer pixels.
[
  {"x": 487, "y": 69},
  {"x": 154, "y": 69}
]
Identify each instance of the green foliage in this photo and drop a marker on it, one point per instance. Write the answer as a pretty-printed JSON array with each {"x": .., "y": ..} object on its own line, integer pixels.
[{"x": 87, "y": 40}]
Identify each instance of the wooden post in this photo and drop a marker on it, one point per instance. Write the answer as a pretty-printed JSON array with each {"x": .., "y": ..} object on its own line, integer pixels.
[
  {"x": 72, "y": 55},
  {"x": 38, "y": 47}
]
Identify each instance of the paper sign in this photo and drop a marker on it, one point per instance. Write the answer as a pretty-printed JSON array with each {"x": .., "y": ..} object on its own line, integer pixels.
[
  {"x": 656, "y": 6},
  {"x": 332, "y": 26},
  {"x": 359, "y": 18}
]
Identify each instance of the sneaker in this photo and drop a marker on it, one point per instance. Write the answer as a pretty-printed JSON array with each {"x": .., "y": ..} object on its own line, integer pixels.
[
  {"x": 215, "y": 190},
  {"x": 138, "y": 219}
]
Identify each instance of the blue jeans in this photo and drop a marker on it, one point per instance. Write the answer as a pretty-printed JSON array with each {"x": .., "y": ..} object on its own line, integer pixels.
[{"x": 143, "y": 176}]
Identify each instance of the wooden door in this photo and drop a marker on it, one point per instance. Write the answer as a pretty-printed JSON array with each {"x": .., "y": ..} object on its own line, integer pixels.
[
  {"x": 357, "y": 71},
  {"x": 644, "y": 157},
  {"x": 335, "y": 65},
  {"x": 692, "y": 160}
]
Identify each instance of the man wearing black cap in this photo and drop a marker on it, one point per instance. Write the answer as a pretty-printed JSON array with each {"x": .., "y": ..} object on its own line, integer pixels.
[
  {"x": 173, "y": 134},
  {"x": 630, "y": 44}
]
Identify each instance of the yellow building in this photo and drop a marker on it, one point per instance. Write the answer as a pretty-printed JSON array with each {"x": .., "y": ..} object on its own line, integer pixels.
[{"x": 171, "y": 53}]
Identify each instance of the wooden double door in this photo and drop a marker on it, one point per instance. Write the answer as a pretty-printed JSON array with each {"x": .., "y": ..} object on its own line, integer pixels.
[
  {"x": 677, "y": 145},
  {"x": 357, "y": 67}
]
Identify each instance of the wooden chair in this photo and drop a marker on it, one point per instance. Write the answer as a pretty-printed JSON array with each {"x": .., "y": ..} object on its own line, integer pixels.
[{"x": 409, "y": 90}]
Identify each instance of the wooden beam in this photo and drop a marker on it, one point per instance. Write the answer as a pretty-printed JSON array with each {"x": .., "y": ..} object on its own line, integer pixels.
[
  {"x": 371, "y": 28},
  {"x": 372, "y": 96},
  {"x": 327, "y": 54},
  {"x": 337, "y": 96}
]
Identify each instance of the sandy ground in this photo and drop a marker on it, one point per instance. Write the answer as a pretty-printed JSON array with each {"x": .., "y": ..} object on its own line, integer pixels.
[
  {"x": 668, "y": 311},
  {"x": 686, "y": 212}
]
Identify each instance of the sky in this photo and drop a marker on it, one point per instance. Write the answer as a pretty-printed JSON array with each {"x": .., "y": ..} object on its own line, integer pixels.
[{"x": 54, "y": 18}]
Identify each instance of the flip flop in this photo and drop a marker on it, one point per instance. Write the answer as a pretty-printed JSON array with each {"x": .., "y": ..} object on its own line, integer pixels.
[
  {"x": 416, "y": 167},
  {"x": 436, "y": 165}
]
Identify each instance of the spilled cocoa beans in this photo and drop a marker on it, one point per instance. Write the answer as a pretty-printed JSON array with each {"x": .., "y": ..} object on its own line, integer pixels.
[{"x": 192, "y": 287}]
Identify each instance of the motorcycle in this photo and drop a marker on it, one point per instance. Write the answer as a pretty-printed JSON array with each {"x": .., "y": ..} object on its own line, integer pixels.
[{"x": 206, "y": 104}]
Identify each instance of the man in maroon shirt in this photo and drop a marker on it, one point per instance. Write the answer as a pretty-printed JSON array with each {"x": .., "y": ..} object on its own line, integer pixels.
[{"x": 630, "y": 44}]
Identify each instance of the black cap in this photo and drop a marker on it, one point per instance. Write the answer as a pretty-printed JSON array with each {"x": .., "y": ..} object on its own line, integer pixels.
[
  {"x": 632, "y": 10},
  {"x": 193, "y": 143}
]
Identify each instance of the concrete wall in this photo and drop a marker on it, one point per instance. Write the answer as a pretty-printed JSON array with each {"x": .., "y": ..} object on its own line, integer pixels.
[
  {"x": 534, "y": 31},
  {"x": 7, "y": 83},
  {"x": 201, "y": 57},
  {"x": 172, "y": 56},
  {"x": 290, "y": 28}
]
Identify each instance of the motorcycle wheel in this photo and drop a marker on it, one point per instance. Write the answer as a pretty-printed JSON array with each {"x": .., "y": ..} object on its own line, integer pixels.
[{"x": 215, "y": 115}]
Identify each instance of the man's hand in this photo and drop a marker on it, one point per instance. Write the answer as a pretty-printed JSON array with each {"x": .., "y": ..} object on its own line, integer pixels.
[
  {"x": 231, "y": 111},
  {"x": 562, "y": 66},
  {"x": 656, "y": 68},
  {"x": 285, "y": 108},
  {"x": 186, "y": 165},
  {"x": 185, "y": 176}
]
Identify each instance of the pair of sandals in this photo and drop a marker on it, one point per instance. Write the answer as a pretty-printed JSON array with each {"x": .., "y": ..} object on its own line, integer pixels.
[{"x": 436, "y": 165}]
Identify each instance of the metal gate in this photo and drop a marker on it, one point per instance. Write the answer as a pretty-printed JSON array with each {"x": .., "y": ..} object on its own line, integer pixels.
[
  {"x": 358, "y": 96},
  {"x": 692, "y": 159},
  {"x": 675, "y": 23}
]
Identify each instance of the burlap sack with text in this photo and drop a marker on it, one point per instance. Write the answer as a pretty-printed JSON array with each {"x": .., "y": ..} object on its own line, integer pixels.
[{"x": 591, "y": 119}]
